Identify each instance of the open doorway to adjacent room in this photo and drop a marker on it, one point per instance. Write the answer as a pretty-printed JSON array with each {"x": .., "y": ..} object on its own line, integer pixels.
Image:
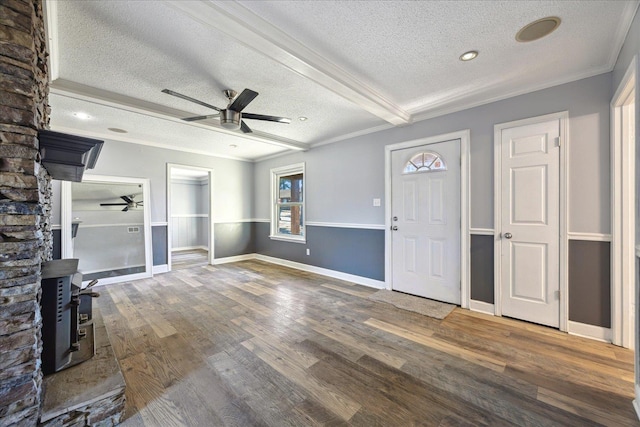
[
  {"x": 190, "y": 227},
  {"x": 106, "y": 225}
]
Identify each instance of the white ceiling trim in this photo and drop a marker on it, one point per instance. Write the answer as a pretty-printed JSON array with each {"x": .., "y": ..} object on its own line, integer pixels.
[
  {"x": 122, "y": 138},
  {"x": 250, "y": 29},
  {"x": 122, "y": 102},
  {"x": 352, "y": 135},
  {"x": 51, "y": 27},
  {"x": 623, "y": 29},
  {"x": 432, "y": 111}
]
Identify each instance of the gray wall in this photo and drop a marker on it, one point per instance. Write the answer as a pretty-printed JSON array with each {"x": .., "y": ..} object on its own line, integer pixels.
[
  {"x": 232, "y": 187},
  {"x": 232, "y": 183},
  {"x": 590, "y": 283},
  {"x": 344, "y": 177},
  {"x": 234, "y": 238},
  {"x": 481, "y": 260},
  {"x": 348, "y": 250}
]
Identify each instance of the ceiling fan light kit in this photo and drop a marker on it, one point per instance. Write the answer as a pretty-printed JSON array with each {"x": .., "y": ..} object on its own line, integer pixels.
[{"x": 230, "y": 117}]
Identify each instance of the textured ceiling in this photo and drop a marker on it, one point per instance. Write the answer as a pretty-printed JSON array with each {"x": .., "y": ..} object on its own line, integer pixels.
[{"x": 349, "y": 66}]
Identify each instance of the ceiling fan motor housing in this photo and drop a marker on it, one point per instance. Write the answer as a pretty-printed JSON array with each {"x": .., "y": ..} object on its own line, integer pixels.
[{"x": 230, "y": 119}]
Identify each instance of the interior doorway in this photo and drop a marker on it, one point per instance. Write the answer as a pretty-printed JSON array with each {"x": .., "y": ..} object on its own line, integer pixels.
[
  {"x": 624, "y": 205},
  {"x": 189, "y": 218},
  {"x": 106, "y": 224}
]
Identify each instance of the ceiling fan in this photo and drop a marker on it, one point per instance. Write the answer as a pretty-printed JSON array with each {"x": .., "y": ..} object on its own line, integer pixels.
[
  {"x": 129, "y": 203},
  {"x": 231, "y": 117}
]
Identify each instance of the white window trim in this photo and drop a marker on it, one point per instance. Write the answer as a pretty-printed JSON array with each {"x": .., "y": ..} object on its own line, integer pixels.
[{"x": 276, "y": 173}]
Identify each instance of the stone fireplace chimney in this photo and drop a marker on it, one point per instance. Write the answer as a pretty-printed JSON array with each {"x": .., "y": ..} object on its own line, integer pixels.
[{"x": 25, "y": 192}]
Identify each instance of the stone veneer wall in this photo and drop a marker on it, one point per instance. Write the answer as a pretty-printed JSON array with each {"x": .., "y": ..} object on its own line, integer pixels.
[{"x": 25, "y": 192}]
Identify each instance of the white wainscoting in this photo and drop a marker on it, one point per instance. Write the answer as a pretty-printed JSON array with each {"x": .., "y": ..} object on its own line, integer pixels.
[{"x": 189, "y": 231}]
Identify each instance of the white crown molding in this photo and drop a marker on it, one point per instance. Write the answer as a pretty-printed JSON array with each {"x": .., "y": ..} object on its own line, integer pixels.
[
  {"x": 351, "y": 135},
  {"x": 624, "y": 26},
  {"x": 120, "y": 138},
  {"x": 250, "y": 29},
  {"x": 430, "y": 111},
  {"x": 97, "y": 96}
]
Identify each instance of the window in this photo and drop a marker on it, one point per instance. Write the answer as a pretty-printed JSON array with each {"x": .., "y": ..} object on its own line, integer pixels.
[
  {"x": 425, "y": 162},
  {"x": 287, "y": 212}
]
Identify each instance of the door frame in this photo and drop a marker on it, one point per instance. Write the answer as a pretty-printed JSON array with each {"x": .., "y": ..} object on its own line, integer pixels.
[
  {"x": 66, "y": 217},
  {"x": 465, "y": 139},
  {"x": 623, "y": 215},
  {"x": 210, "y": 238},
  {"x": 563, "y": 241}
]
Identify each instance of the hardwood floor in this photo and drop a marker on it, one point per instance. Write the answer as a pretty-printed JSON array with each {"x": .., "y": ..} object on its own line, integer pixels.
[
  {"x": 254, "y": 344},
  {"x": 189, "y": 258}
]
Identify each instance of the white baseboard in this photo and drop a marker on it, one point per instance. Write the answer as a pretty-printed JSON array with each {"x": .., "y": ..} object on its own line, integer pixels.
[
  {"x": 589, "y": 331},
  {"x": 636, "y": 404},
  {"x": 324, "y": 271},
  {"x": 482, "y": 307},
  {"x": 159, "y": 269},
  {"x": 234, "y": 259}
]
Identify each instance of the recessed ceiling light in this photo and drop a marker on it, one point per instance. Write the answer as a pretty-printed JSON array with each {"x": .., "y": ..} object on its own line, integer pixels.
[
  {"x": 233, "y": 146},
  {"x": 302, "y": 118},
  {"x": 538, "y": 29},
  {"x": 117, "y": 130},
  {"x": 82, "y": 116},
  {"x": 468, "y": 56}
]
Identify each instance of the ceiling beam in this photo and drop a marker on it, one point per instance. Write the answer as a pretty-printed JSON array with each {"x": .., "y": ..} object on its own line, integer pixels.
[
  {"x": 254, "y": 32},
  {"x": 122, "y": 102}
]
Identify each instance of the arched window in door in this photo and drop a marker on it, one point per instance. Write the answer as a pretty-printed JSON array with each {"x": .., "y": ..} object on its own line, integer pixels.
[{"x": 427, "y": 161}]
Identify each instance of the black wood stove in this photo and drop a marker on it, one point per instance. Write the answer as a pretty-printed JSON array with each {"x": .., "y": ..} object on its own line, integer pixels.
[{"x": 67, "y": 329}]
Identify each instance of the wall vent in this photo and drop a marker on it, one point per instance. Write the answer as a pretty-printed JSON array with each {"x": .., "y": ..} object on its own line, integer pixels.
[{"x": 133, "y": 229}]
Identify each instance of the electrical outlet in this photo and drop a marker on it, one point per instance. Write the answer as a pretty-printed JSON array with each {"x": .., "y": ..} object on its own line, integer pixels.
[
  {"x": 308, "y": 251},
  {"x": 376, "y": 202}
]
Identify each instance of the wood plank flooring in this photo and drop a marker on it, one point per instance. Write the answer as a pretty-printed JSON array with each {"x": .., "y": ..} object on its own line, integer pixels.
[
  {"x": 254, "y": 344},
  {"x": 189, "y": 258}
]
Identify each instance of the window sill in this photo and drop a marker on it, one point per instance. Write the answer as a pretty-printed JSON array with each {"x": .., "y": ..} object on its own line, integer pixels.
[{"x": 292, "y": 239}]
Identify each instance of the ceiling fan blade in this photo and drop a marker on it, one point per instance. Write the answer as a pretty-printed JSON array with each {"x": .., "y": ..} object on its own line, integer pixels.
[
  {"x": 193, "y": 119},
  {"x": 127, "y": 199},
  {"x": 244, "y": 128},
  {"x": 114, "y": 204},
  {"x": 242, "y": 100},
  {"x": 266, "y": 118},
  {"x": 188, "y": 98},
  {"x": 126, "y": 208}
]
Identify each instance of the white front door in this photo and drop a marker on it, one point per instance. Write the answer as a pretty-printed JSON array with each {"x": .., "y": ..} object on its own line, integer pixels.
[
  {"x": 425, "y": 209},
  {"x": 530, "y": 228}
]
